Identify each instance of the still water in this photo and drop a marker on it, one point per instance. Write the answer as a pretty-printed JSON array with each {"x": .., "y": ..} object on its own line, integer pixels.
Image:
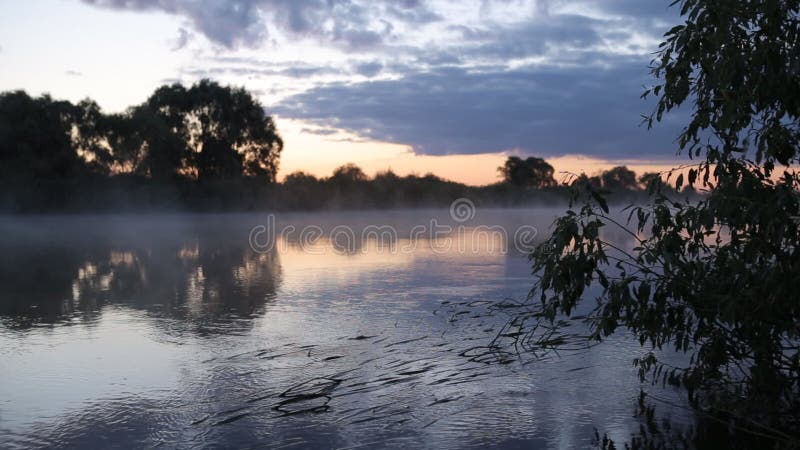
[{"x": 173, "y": 331}]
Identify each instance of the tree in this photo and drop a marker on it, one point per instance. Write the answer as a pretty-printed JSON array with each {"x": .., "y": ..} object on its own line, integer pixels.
[
  {"x": 55, "y": 154},
  {"x": 164, "y": 153},
  {"x": 648, "y": 178},
  {"x": 227, "y": 130},
  {"x": 35, "y": 138},
  {"x": 618, "y": 179},
  {"x": 530, "y": 172},
  {"x": 300, "y": 178},
  {"x": 348, "y": 174},
  {"x": 136, "y": 141},
  {"x": 387, "y": 178},
  {"x": 714, "y": 277}
]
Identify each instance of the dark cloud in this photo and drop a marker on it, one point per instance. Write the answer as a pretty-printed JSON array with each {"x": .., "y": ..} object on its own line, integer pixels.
[
  {"x": 546, "y": 110},
  {"x": 541, "y": 76},
  {"x": 639, "y": 9},
  {"x": 252, "y": 68},
  {"x": 230, "y": 23},
  {"x": 170, "y": 80},
  {"x": 533, "y": 38},
  {"x": 319, "y": 131},
  {"x": 182, "y": 40},
  {"x": 553, "y": 84},
  {"x": 369, "y": 69},
  {"x": 562, "y": 37},
  {"x": 224, "y": 22},
  {"x": 412, "y": 11}
]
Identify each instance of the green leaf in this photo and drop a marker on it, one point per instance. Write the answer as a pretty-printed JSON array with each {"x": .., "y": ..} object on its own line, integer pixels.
[{"x": 601, "y": 201}]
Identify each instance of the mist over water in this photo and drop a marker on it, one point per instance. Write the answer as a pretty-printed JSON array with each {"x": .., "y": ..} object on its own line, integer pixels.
[{"x": 172, "y": 330}]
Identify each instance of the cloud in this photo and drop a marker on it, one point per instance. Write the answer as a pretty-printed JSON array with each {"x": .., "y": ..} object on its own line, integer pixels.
[
  {"x": 549, "y": 77},
  {"x": 224, "y": 22},
  {"x": 557, "y": 78},
  {"x": 253, "y": 67},
  {"x": 319, "y": 131},
  {"x": 369, "y": 69},
  {"x": 73, "y": 73},
  {"x": 351, "y": 24},
  {"x": 170, "y": 80},
  {"x": 182, "y": 40},
  {"x": 541, "y": 110}
]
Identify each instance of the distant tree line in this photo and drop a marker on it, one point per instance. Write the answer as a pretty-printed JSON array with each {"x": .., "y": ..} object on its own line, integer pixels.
[
  {"x": 213, "y": 147},
  {"x": 537, "y": 173},
  {"x": 529, "y": 181}
]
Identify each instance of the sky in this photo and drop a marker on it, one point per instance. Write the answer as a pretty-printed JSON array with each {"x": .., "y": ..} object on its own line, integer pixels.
[{"x": 416, "y": 86}]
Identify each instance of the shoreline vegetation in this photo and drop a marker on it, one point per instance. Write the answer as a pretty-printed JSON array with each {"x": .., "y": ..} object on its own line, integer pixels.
[
  {"x": 213, "y": 148},
  {"x": 385, "y": 191},
  {"x": 713, "y": 279}
]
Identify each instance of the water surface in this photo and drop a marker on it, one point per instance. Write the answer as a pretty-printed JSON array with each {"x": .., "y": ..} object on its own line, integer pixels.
[{"x": 138, "y": 331}]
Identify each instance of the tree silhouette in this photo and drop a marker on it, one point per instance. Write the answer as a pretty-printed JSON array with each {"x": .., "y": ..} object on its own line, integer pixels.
[
  {"x": 226, "y": 130},
  {"x": 299, "y": 178},
  {"x": 647, "y": 178},
  {"x": 714, "y": 277},
  {"x": 530, "y": 172},
  {"x": 618, "y": 178},
  {"x": 35, "y": 138},
  {"x": 137, "y": 141},
  {"x": 348, "y": 174},
  {"x": 206, "y": 146}
]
